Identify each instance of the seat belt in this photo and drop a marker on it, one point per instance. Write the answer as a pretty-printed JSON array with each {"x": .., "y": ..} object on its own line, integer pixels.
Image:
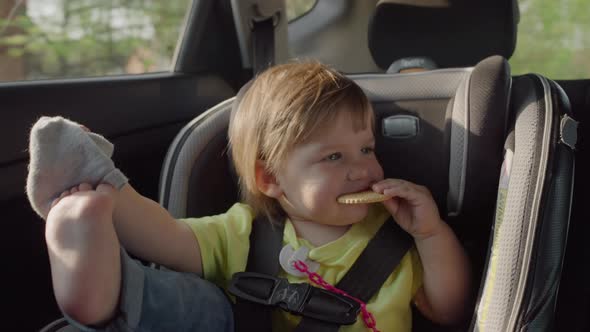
[
  {"x": 363, "y": 280},
  {"x": 263, "y": 44}
]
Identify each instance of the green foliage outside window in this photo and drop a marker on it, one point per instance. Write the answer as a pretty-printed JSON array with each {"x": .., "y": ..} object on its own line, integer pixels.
[
  {"x": 297, "y": 8},
  {"x": 80, "y": 38},
  {"x": 553, "y": 39}
]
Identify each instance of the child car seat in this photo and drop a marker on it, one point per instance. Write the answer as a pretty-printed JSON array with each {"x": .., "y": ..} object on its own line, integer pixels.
[{"x": 446, "y": 129}]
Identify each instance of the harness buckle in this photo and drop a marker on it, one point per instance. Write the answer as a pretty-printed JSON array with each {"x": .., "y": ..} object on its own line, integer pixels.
[{"x": 300, "y": 299}]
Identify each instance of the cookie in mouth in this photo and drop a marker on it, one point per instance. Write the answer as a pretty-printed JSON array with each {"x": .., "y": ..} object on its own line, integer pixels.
[{"x": 362, "y": 197}]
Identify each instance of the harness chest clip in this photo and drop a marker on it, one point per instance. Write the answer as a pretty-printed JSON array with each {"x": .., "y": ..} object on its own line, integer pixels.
[{"x": 300, "y": 299}]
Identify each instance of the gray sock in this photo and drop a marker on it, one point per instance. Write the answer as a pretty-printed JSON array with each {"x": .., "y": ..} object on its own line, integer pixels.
[{"x": 63, "y": 155}]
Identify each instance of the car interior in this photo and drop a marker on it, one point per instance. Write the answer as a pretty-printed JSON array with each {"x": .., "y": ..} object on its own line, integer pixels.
[{"x": 502, "y": 153}]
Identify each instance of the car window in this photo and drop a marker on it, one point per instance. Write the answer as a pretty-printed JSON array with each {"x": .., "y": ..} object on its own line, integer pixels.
[
  {"x": 50, "y": 39},
  {"x": 553, "y": 39},
  {"x": 298, "y": 8}
]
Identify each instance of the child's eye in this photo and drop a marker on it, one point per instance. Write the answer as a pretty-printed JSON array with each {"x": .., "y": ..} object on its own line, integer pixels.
[
  {"x": 334, "y": 156},
  {"x": 367, "y": 150}
]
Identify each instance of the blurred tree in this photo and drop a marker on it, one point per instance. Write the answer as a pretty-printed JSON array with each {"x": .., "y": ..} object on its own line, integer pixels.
[
  {"x": 297, "y": 8},
  {"x": 553, "y": 39},
  {"x": 11, "y": 67},
  {"x": 77, "y": 38}
]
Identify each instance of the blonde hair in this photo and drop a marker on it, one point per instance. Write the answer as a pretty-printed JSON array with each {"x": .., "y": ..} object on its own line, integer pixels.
[{"x": 281, "y": 109}]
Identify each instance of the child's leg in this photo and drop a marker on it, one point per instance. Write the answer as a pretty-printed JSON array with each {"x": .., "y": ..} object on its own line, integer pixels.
[
  {"x": 164, "y": 300},
  {"x": 84, "y": 253},
  {"x": 172, "y": 301},
  {"x": 98, "y": 285}
]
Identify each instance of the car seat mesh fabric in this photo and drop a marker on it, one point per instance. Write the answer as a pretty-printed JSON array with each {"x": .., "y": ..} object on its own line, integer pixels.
[
  {"x": 511, "y": 229},
  {"x": 201, "y": 144},
  {"x": 519, "y": 274},
  {"x": 488, "y": 98}
]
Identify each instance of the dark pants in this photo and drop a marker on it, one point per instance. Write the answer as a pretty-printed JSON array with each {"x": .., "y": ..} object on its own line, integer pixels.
[{"x": 164, "y": 300}]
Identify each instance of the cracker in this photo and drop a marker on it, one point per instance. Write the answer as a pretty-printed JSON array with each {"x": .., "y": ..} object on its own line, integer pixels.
[{"x": 362, "y": 197}]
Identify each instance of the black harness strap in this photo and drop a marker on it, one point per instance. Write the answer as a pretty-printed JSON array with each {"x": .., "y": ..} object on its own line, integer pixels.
[
  {"x": 364, "y": 279},
  {"x": 368, "y": 273},
  {"x": 266, "y": 241}
]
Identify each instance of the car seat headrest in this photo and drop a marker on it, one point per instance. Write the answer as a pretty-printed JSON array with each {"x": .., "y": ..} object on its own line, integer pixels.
[
  {"x": 443, "y": 129},
  {"x": 454, "y": 33},
  {"x": 411, "y": 64}
]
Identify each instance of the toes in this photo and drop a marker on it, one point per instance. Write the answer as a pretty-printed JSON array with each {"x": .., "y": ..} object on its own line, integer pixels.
[
  {"x": 84, "y": 187},
  {"x": 103, "y": 188},
  {"x": 55, "y": 201}
]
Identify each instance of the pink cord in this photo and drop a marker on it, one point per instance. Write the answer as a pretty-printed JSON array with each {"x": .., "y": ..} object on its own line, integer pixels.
[{"x": 317, "y": 279}]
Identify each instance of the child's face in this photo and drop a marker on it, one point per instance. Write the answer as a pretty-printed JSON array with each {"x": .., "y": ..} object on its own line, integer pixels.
[{"x": 334, "y": 161}]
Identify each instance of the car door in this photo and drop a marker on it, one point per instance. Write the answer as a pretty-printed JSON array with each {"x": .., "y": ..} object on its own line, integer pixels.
[{"x": 135, "y": 72}]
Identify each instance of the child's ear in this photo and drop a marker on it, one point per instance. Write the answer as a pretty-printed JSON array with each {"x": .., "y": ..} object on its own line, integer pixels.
[{"x": 266, "y": 181}]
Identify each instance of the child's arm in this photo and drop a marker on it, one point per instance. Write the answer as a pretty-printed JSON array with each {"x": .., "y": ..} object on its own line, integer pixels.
[
  {"x": 149, "y": 232},
  {"x": 443, "y": 297},
  {"x": 447, "y": 278}
]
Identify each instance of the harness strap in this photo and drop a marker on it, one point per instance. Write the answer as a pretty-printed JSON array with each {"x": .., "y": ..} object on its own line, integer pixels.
[
  {"x": 364, "y": 279},
  {"x": 266, "y": 241},
  {"x": 368, "y": 273}
]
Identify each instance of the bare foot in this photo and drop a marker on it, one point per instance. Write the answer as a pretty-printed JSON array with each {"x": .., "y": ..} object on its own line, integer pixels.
[{"x": 84, "y": 252}]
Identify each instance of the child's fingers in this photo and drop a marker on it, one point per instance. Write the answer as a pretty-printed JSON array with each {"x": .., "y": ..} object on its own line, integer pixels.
[
  {"x": 392, "y": 205},
  {"x": 387, "y": 183},
  {"x": 402, "y": 188},
  {"x": 383, "y": 185},
  {"x": 405, "y": 192}
]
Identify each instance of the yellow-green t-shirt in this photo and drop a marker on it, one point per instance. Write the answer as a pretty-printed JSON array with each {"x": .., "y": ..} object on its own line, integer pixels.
[{"x": 224, "y": 243}]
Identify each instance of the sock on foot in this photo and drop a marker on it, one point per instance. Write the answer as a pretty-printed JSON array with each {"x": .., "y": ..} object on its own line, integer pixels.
[{"x": 63, "y": 155}]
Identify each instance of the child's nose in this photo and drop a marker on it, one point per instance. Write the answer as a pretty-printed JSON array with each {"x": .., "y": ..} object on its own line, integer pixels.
[{"x": 358, "y": 172}]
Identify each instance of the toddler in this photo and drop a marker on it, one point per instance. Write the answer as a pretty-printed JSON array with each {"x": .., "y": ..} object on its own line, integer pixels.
[{"x": 301, "y": 136}]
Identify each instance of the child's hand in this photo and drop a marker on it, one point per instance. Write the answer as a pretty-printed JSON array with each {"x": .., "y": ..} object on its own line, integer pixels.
[{"x": 412, "y": 207}]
